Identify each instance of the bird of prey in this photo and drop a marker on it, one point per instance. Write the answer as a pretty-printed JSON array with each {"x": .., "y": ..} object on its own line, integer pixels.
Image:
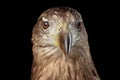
[{"x": 60, "y": 47}]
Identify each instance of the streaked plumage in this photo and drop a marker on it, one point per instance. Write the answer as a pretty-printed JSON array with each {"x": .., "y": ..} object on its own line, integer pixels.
[{"x": 60, "y": 47}]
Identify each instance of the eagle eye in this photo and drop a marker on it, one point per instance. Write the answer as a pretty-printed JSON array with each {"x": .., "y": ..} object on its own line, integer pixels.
[
  {"x": 79, "y": 25},
  {"x": 45, "y": 24}
]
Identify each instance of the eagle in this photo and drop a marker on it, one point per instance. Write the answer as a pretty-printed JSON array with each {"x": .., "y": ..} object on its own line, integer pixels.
[{"x": 60, "y": 47}]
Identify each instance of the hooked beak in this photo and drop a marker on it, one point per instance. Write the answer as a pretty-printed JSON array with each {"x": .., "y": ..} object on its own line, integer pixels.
[{"x": 65, "y": 40}]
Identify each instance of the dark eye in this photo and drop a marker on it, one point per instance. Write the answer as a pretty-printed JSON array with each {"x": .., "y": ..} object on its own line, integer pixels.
[
  {"x": 45, "y": 24},
  {"x": 79, "y": 25}
]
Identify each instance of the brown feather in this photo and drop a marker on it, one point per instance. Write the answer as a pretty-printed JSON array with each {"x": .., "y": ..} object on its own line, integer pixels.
[{"x": 55, "y": 66}]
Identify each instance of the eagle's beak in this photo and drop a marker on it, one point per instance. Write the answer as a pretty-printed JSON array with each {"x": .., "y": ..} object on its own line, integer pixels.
[{"x": 65, "y": 40}]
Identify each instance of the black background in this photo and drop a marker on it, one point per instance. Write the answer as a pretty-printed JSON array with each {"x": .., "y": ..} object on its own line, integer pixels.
[{"x": 20, "y": 18}]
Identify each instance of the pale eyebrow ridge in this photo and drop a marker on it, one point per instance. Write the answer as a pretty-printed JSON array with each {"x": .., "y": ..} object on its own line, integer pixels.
[{"x": 44, "y": 19}]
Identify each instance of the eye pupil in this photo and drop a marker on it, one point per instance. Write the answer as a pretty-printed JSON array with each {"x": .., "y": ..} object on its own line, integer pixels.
[
  {"x": 79, "y": 25},
  {"x": 46, "y": 25}
]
